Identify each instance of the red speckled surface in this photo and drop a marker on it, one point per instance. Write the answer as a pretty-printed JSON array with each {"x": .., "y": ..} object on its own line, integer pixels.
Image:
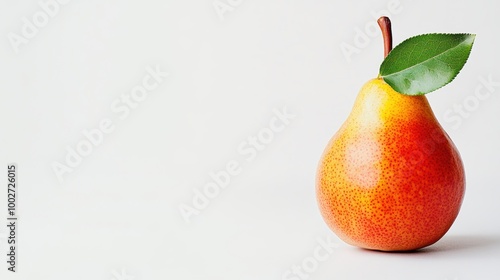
[{"x": 390, "y": 179}]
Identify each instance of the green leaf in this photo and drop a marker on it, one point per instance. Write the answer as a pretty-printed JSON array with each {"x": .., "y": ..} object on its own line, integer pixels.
[{"x": 424, "y": 63}]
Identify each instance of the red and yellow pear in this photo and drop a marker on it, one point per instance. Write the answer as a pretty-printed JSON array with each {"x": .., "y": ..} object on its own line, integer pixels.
[{"x": 390, "y": 179}]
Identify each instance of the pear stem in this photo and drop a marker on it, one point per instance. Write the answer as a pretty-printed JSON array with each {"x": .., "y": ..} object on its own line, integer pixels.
[{"x": 385, "y": 26}]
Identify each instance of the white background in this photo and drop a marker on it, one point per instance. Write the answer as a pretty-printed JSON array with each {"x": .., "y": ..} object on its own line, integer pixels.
[{"x": 116, "y": 215}]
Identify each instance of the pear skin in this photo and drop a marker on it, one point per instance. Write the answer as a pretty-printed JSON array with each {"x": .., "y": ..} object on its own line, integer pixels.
[{"x": 390, "y": 179}]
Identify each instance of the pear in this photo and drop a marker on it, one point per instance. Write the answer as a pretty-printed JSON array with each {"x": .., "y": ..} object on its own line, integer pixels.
[{"x": 390, "y": 179}]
